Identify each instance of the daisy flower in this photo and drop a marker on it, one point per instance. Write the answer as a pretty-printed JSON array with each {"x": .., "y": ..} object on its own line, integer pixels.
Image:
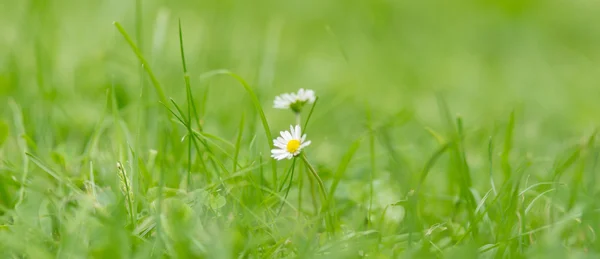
[
  {"x": 294, "y": 101},
  {"x": 289, "y": 144},
  {"x": 306, "y": 95}
]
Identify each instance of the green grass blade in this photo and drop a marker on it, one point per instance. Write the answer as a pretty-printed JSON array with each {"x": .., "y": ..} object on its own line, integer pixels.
[
  {"x": 22, "y": 144},
  {"x": 291, "y": 176},
  {"x": 491, "y": 162},
  {"x": 310, "y": 113},
  {"x": 343, "y": 166},
  {"x": 159, "y": 90},
  {"x": 258, "y": 108},
  {"x": 190, "y": 97},
  {"x": 508, "y": 140},
  {"x": 238, "y": 142},
  {"x": 60, "y": 178},
  {"x": 372, "y": 163},
  {"x": 413, "y": 219}
]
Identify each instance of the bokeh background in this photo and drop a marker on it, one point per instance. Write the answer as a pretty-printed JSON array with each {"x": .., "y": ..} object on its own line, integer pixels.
[
  {"x": 485, "y": 59},
  {"x": 392, "y": 60}
]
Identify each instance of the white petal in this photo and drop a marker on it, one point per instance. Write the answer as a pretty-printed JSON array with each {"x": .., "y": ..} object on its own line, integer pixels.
[
  {"x": 310, "y": 96},
  {"x": 303, "y": 138},
  {"x": 290, "y": 97},
  {"x": 276, "y": 142},
  {"x": 281, "y": 141},
  {"x": 284, "y": 101},
  {"x": 281, "y": 103},
  {"x": 278, "y": 152},
  {"x": 298, "y": 132},
  {"x": 279, "y": 157},
  {"x": 287, "y": 136},
  {"x": 282, "y": 133},
  {"x": 305, "y": 144}
]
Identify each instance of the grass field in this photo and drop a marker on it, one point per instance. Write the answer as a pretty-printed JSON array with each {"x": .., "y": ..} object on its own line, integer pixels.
[{"x": 442, "y": 129}]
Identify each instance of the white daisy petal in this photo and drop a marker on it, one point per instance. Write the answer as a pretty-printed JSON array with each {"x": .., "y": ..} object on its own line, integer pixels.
[
  {"x": 278, "y": 156},
  {"x": 285, "y": 148},
  {"x": 288, "y": 136},
  {"x": 283, "y": 102},
  {"x": 305, "y": 144},
  {"x": 289, "y": 97},
  {"x": 298, "y": 132},
  {"x": 281, "y": 140},
  {"x": 294, "y": 100},
  {"x": 278, "y": 151}
]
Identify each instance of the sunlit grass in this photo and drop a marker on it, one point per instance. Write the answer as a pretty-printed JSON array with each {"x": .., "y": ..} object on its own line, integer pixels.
[{"x": 144, "y": 129}]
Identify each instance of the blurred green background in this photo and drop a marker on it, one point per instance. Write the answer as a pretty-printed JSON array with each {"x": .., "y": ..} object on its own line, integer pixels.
[
  {"x": 485, "y": 57},
  {"x": 392, "y": 60}
]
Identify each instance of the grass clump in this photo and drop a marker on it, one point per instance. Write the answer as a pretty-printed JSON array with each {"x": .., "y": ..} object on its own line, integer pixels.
[{"x": 376, "y": 164}]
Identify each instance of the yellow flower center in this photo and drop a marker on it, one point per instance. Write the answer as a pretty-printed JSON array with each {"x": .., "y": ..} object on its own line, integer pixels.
[{"x": 293, "y": 145}]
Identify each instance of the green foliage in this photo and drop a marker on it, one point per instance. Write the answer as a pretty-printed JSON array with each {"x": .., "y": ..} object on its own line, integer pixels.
[
  {"x": 443, "y": 129},
  {"x": 4, "y": 131}
]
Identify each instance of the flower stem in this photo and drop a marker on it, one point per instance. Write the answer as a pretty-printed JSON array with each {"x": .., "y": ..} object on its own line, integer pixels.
[
  {"x": 314, "y": 173},
  {"x": 298, "y": 118},
  {"x": 289, "y": 185},
  {"x": 300, "y": 186},
  {"x": 325, "y": 203},
  {"x": 312, "y": 188},
  {"x": 300, "y": 179},
  {"x": 373, "y": 165}
]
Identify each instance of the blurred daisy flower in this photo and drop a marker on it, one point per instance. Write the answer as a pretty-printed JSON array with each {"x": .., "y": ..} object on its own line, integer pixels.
[
  {"x": 289, "y": 144},
  {"x": 294, "y": 101}
]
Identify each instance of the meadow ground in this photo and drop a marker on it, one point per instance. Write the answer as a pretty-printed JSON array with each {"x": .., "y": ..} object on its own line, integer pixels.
[{"x": 455, "y": 129}]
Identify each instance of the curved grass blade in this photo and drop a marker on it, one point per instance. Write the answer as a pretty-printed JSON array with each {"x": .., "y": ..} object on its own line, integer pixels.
[
  {"x": 138, "y": 53},
  {"x": 258, "y": 108},
  {"x": 312, "y": 108},
  {"x": 238, "y": 142}
]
